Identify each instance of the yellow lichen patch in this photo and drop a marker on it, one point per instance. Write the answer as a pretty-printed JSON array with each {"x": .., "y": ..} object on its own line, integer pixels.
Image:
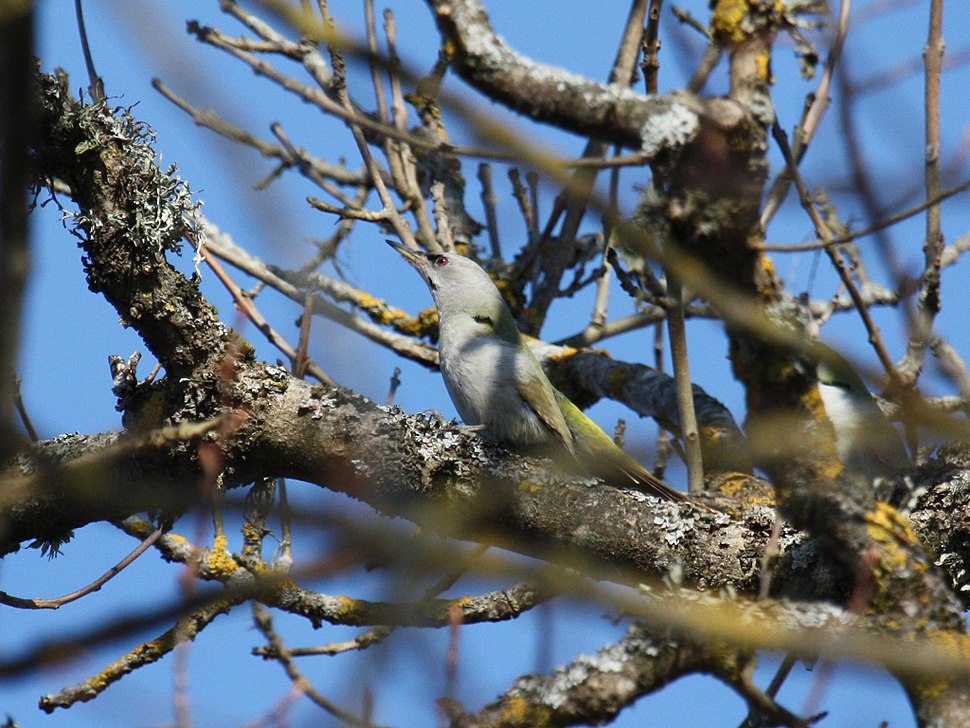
[
  {"x": 388, "y": 315},
  {"x": 456, "y": 607},
  {"x": 252, "y": 538},
  {"x": 895, "y": 540},
  {"x": 957, "y": 644},
  {"x": 766, "y": 263},
  {"x": 726, "y": 20},
  {"x": 518, "y": 711},
  {"x": 147, "y": 652},
  {"x": 812, "y": 399},
  {"x": 529, "y": 486},
  {"x": 365, "y": 300},
  {"x": 411, "y": 325},
  {"x": 751, "y": 491},
  {"x": 218, "y": 560},
  {"x": 348, "y": 607},
  {"x": 892, "y": 556},
  {"x": 887, "y": 525},
  {"x": 764, "y": 66}
]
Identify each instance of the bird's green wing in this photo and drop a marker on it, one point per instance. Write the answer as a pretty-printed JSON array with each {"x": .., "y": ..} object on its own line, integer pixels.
[
  {"x": 593, "y": 449},
  {"x": 540, "y": 395},
  {"x": 602, "y": 457}
]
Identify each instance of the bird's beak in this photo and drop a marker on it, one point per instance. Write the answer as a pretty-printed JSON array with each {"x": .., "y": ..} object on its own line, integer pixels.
[{"x": 415, "y": 259}]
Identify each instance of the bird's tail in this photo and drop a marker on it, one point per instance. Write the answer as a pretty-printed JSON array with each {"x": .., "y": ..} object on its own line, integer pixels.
[
  {"x": 646, "y": 482},
  {"x": 598, "y": 455},
  {"x": 643, "y": 480}
]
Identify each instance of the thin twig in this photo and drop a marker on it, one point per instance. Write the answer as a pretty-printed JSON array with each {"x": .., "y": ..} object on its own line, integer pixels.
[
  {"x": 397, "y": 222},
  {"x": 382, "y": 632},
  {"x": 689, "y": 20},
  {"x": 302, "y": 361},
  {"x": 578, "y": 191},
  {"x": 532, "y": 179},
  {"x": 443, "y": 234},
  {"x": 306, "y": 165},
  {"x": 247, "y": 307},
  {"x": 209, "y": 119},
  {"x": 928, "y": 302},
  {"x": 521, "y": 196},
  {"x": 863, "y": 232},
  {"x": 677, "y": 332},
  {"x": 22, "y": 412},
  {"x": 403, "y": 152},
  {"x": 597, "y": 319},
  {"x": 94, "y": 586},
  {"x": 664, "y": 444},
  {"x": 286, "y": 525},
  {"x": 95, "y": 82},
  {"x": 376, "y": 80},
  {"x": 707, "y": 64},
  {"x": 821, "y": 229},
  {"x": 764, "y": 706},
  {"x": 650, "y": 65},
  {"x": 392, "y": 389},
  {"x": 222, "y": 245},
  {"x": 489, "y": 203},
  {"x": 952, "y": 364},
  {"x": 264, "y": 622},
  {"x": 188, "y": 627},
  {"x": 806, "y": 129}
]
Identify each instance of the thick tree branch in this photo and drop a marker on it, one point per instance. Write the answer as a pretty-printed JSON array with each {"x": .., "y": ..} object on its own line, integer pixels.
[
  {"x": 594, "y": 688},
  {"x": 458, "y": 484},
  {"x": 609, "y": 112}
]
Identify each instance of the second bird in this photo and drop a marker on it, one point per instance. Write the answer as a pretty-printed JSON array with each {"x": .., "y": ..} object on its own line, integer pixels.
[{"x": 496, "y": 382}]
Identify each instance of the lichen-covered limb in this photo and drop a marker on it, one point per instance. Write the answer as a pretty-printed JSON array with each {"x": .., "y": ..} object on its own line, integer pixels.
[
  {"x": 593, "y": 688},
  {"x": 277, "y": 590},
  {"x": 132, "y": 215},
  {"x": 440, "y": 476},
  {"x": 644, "y": 538},
  {"x": 73, "y": 480},
  {"x": 187, "y": 629},
  {"x": 609, "y": 112},
  {"x": 710, "y": 634},
  {"x": 417, "y": 467}
]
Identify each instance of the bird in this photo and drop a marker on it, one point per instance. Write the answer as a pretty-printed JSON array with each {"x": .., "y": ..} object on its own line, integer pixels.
[
  {"x": 497, "y": 384},
  {"x": 867, "y": 442}
]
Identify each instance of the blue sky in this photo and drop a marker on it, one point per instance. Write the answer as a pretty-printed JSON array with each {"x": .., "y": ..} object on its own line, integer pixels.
[{"x": 66, "y": 383}]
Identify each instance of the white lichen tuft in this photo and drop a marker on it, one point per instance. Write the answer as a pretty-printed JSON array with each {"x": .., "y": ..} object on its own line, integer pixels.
[{"x": 670, "y": 129}]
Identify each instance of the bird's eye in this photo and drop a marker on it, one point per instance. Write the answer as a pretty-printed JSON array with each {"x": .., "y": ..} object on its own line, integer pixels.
[{"x": 441, "y": 261}]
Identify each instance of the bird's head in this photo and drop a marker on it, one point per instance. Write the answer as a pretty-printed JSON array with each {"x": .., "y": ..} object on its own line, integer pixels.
[
  {"x": 457, "y": 283},
  {"x": 834, "y": 371}
]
